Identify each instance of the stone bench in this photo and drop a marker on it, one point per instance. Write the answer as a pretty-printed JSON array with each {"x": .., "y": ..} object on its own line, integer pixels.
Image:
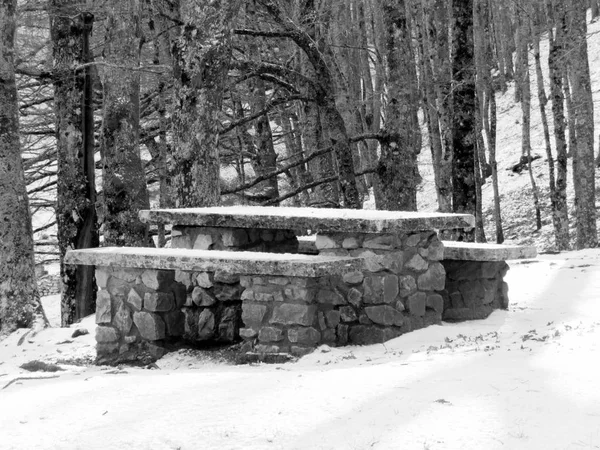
[
  {"x": 475, "y": 273},
  {"x": 149, "y": 298}
]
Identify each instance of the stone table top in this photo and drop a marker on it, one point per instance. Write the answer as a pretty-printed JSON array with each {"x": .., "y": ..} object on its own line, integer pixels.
[
  {"x": 243, "y": 263},
  {"x": 315, "y": 219},
  {"x": 474, "y": 251}
]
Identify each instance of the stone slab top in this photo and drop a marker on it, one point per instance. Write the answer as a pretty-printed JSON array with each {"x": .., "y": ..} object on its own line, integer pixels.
[
  {"x": 473, "y": 251},
  {"x": 243, "y": 263},
  {"x": 315, "y": 219}
]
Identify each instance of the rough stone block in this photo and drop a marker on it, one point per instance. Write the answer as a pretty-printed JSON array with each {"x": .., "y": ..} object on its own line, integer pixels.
[
  {"x": 201, "y": 297},
  {"x": 203, "y": 242},
  {"x": 126, "y": 274},
  {"x": 292, "y": 314},
  {"x": 264, "y": 348},
  {"x": 174, "y": 323},
  {"x": 353, "y": 277},
  {"x": 490, "y": 287},
  {"x": 351, "y": 242},
  {"x": 304, "y": 336},
  {"x": 102, "y": 275},
  {"x": 267, "y": 235},
  {"x": 203, "y": 279},
  {"x": 227, "y": 292},
  {"x": 365, "y": 335},
  {"x": 342, "y": 334},
  {"x": 332, "y": 318},
  {"x": 300, "y": 351},
  {"x": 390, "y": 288},
  {"x": 103, "y": 307},
  {"x": 248, "y": 333},
  {"x": 253, "y": 315},
  {"x": 245, "y": 281},
  {"x": 384, "y": 315},
  {"x": 223, "y": 276},
  {"x": 150, "y": 326},
  {"x": 413, "y": 240},
  {"x": 380, "y": 289},
  {"x": 234, "y": 237},
  {"x": 159, "y": 301},
  {"x": 434, "y": 279},
  {"x": 123, "y": 320},
  {"x": 325, "y": 242},
  {"x": 227, "y": 332},
  {"x": 179, "y": 292},
  {"x": 472, "y": 293},
  {"x": 400, "y": 305},
  {"x": 380, "y": 241},
  {"x": 435, "y": 251},
  {"x": 184, "y": 277},
  {"x": 330, "y": 297},
  {"x": 435, "y": 302},
  {"x": 364, "y": 319},
  {"x": 278, "y": 281},
  {"x": 134, "y": 299},
  {"x": 407, "y": 285},
  {"x": 106, "y": 335},
  {"x": 299, "y": 294},
  {"x": 158, "y": 279},
  {"x": 270, "y": 334},
  {"x": 355, "y": 297},
  {"x": 417, "y": 303},
  {"x": 117, "y": 287},
  {"x": 206, "y": 325},
  {"x": 416, "y": 263},
  {"x": 348, "y": 314}
]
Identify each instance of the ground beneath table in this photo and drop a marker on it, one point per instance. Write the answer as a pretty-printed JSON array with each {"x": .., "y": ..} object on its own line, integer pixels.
[{"x": 526, "y": 378}]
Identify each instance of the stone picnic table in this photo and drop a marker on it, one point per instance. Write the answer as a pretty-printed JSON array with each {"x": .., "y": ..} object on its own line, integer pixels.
[{"x": 236, "y": 273}]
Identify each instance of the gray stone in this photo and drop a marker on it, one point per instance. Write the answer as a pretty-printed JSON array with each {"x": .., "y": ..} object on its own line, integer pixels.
[
  {"x": 348, "y": 314},
  {"x": 245, "y": 281},
  {"x": 248, "y": 333},
  {"x": 417, "y": 303},
  {"x": 106, "y": 335},
  {"x": 264, "y": 348},
  {"x": 150, "y": 326},
  {"x": 342, "y": 334},
  {"x": 390, "y": 288},
  {"x": 330, "y": 297},
  {"x": 321, "y": 320},
  {"x": 129, "y": 274},
  {"x": 325, "y": 242},
  {"x": 407, "y": 285},
  {"x": 299, "y": 294},
  {"x": 179, "y": 292},
  {"x": 385, "y": 315},
  {"x": 130, "y": 339},
  {"x": 474, "y": 251},
  {"x": 400, "y": 305},
  {"x": 435, "y": 302},
  {"x": 434, "y": 279},
  {"x": 385, "y": 241},
  {"x": 158, "y": 301},
  {"x": 203, "y": 242},
  {"x": 292, "y": 314},
  {"x": 380, "y": 289},
  {"x": 435, "y": 251},
  {"x": 158, "y": 279},
  {"x": 253, "y": 315},
  {"x": 228, "y": 292},
  {"x": 355, "y": 277},
  {"x": 182, "y": 241},
  {"x": 201, "y": 297},
  {"x": 224, "y": 276},
  {"x": 227, "y": 332},
  {"x": 203, "y": 280},
  {"x": 365, "y": 335},
  {"x": 364, "y": 319},
  {"x": 134, "y": 299},
  {"x": 278, "y": 281},
  {"x": 102, "y": 275},
  {"x": 416, "y": 263},
  {"x": 351, "y": 242},
  {"x": 413, "y": 240},
  {"x": 270, "y": 334},
  {"x": 333, "y": 318},
  {"x": 206, "y": 325},
  {"x": 355, "y": 297},
  {"x": 117, "y": 287},
  {"x": 234, "y": 237},
  {"x": 300, "y": 351},
  {"x": 103, "y": 307},
  {"x": 304, "y": 336},
  {"x": 267, "y": 235},
  {"x": 490, "y": 287},
  {"x": 472, "y": 293},
  {"x": 123, "y": 320},
  {"x": 174, "y": 323},
  {"x": 183, "y": 277}
]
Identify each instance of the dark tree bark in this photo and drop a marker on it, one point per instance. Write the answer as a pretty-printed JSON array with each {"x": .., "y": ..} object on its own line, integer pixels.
[
  {"x": 397, "y": 168},
  {"x": 464, "y": 109},
  {"x": 124, "y": 181},
  {"x": 202, "y": 55},
  {"x": 76, "y": 195},
  {"x": 583, "y": 156},
  {"x": 19, "y": 298}
]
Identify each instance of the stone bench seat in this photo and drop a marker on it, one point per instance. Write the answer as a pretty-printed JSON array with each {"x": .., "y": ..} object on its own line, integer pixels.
[{"x": 475, "y": 273}]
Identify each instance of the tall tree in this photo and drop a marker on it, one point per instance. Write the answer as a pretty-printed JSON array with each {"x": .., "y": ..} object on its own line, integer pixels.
[
  {"x": 19, "y": 298},
  {"x": 70, "y": 29},
  {"x": 124, "y": 190},
  {"x": 583, "y": 155}
]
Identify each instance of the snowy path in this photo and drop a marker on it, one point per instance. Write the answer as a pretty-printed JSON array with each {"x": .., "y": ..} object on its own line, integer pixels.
[{"x": 528, "y": 378}]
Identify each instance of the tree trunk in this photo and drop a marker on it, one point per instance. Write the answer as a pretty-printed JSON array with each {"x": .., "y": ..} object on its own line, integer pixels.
[
  {"x": 464, "y": 109},
  {"x": 124, "y": 181},
  {"x": 19, "y": 298},
  {"x": 202, "y": 54},
  {"x": 76, "y": 194},
  {"x": 397, "y": 168},
  {"x": 583, "y": 156}
]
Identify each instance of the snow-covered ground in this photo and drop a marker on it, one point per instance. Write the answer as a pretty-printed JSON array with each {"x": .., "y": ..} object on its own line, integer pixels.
[{"x": 527, "y": 378}]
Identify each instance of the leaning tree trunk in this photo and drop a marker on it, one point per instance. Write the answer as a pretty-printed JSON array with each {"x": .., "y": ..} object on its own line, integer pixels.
[
  {"x": 397, "y": 167},
  {"x": 583, "y": 156},
  {"x": 124, "y": 180},
  {"x": 202, "y": 55},
  {"x": 19, "y": 298},
  {"x": 76, "y": 194}
]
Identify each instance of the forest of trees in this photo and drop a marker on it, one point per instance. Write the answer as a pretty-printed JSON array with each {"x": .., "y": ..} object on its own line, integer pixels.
[{"x": 106, "y": 105}]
